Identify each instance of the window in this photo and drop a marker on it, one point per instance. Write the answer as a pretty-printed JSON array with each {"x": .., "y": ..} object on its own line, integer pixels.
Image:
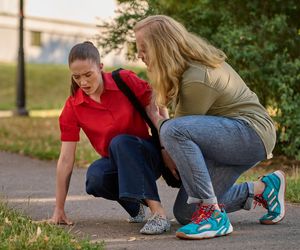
[{"x": 36, "y": 38}]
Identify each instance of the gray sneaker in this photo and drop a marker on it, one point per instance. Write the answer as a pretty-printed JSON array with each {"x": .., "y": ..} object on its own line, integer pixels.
[
  {"x": 156, "y": 225},
  {"x": 140, "y": 217}
]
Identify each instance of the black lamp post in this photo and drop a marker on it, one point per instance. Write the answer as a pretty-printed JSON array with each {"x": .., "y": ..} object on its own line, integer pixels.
[{"x": 21, "y": 98}]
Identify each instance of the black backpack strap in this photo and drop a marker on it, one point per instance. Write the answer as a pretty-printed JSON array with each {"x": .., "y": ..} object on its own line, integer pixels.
[
  {"x": 166, "y": 173},
  {"x": 135, "y": 102}
]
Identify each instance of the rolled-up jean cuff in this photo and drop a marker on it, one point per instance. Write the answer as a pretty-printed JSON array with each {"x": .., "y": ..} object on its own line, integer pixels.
[
  {"x": 138, "y": 198},
  {"x": 249, "y": 201},
  {"x": 192, "y": 200}
]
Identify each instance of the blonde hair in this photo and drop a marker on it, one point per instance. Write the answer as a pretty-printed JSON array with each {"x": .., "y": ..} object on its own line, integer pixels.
[{"x": 170, "y": 48}]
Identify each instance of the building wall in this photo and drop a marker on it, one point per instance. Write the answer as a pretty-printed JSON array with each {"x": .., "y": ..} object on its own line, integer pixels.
[
  {"x": 8, "y": 38},
  {"x": 52, "y": 42},
  {"x": 57, "y": 38}
]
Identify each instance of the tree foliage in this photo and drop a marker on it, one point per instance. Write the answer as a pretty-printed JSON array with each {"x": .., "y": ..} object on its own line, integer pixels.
[{"x": 260, "y": 38}]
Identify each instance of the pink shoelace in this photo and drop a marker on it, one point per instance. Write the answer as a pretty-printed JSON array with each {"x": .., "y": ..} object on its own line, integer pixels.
[
  {"x": 260, "y": 201},
  {"x": 203, "y": 212}
]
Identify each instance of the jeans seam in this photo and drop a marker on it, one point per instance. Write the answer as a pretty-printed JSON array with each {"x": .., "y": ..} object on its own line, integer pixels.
[{"x": 137, "y": 197}]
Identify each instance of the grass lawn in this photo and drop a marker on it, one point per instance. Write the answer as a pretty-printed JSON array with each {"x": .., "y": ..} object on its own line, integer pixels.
[
  {"x": 47, "y": 86},
  {"x": 39, "y": 137},
  {"x": 19, "y": 232}
]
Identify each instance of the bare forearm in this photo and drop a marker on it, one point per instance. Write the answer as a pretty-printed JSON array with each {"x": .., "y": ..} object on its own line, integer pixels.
[{"x": 63, "y": 177}]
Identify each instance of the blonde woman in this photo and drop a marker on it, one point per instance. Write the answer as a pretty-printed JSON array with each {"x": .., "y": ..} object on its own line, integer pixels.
[{"x": 219, "y": 130}]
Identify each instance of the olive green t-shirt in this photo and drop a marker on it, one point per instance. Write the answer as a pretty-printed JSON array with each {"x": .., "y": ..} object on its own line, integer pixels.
[{"x": 222, "y": 92}]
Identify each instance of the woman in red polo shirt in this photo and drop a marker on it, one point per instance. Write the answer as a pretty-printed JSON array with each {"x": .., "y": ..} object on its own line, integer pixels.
[{"x": 129, "y": 166}]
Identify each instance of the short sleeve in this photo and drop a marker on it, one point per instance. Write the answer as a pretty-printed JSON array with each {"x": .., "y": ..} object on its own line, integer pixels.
[
  {"x": 141, "y": 88},
  {"x": 69, "y": 127}
]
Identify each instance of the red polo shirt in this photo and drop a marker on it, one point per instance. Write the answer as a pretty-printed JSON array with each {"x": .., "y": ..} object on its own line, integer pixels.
[{"x": 115, "y": 115}]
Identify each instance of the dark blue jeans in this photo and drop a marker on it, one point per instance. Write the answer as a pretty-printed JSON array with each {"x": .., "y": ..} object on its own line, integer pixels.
[{"x": 128, "y": 175}]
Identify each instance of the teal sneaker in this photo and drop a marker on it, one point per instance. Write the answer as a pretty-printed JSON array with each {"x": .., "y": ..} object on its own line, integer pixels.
[
  {"x": 272, "y": 197},
  {"x": 207, "y": 222}
]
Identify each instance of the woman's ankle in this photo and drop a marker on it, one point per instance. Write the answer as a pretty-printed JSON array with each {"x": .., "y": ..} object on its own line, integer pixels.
[
  {"x": 214, "y": 206},
  {"x": 156, "y": 208},
  {"x": 259, "y": 187}
]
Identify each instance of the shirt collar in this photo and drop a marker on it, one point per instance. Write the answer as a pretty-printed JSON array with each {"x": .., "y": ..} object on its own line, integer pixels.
[
  {"x": 109, "y": 83},
  {"x": 80, "y": 97}
]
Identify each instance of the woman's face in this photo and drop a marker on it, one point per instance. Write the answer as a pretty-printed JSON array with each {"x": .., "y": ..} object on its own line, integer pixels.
[
  {"x": 141, "y": 47},
  {"x": 87, "y": 75}
]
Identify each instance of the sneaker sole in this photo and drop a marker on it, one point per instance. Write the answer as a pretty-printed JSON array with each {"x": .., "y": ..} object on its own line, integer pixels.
[
  {"x": 135, "y": 221},
  {"x": 184, "y": 236},
  {"x": 155, "y": 233},
  {"x": 281, "y": 196}
]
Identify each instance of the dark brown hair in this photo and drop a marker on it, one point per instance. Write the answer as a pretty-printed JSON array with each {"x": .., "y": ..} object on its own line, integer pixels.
[{"x": 82, "y": 51}]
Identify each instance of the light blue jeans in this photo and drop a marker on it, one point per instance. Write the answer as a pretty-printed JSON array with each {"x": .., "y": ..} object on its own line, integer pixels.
[{"x": 211, "y": 152}]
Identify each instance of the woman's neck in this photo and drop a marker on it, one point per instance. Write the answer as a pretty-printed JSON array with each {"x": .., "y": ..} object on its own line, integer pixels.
[{"x": 96, "y": 96}]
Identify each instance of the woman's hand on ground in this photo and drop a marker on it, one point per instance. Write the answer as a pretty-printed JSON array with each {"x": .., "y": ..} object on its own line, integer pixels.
[{"x": 59, "y": 217}]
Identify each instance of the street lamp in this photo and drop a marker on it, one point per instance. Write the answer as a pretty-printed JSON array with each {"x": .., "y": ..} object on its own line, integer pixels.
[{"x": 21, "y": 98}]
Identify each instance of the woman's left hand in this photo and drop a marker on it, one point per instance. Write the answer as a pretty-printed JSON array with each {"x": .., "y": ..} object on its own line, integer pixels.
[{"x": 156, "y": 114}]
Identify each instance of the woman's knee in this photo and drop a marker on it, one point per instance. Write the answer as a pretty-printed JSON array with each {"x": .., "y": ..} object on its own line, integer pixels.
[
  {"x": 182, "y": 211},
  {"x": 121, "y": 142},
  {"x": 172, "y": 129},
  {"x": 94, "y": 177},
  {"x": 182, "y": 216},
  {"x": 93, "y": 185},
  {"x": 94, "y": 182}
]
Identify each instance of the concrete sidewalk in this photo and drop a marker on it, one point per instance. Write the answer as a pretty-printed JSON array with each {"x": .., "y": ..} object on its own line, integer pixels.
[{"x": 29, "y": 186}]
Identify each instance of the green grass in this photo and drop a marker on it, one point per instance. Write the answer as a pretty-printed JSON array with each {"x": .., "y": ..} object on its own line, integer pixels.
[
  {"x": 293, "y": 190},
  {"x": 47, "y": 86},
  {"x": 19, "y": 232},
  {"x": 39, "y": 137}
]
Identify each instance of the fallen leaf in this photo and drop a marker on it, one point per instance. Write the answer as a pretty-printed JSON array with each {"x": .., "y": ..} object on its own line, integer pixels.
[
  {"x": 7, "y": 221},
  {"x": 40, "y": 221},
  {"x": 38, "y": 232}
]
